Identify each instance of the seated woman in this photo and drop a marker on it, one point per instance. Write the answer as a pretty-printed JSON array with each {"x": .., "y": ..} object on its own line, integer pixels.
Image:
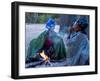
[
  {"x": 78, "y": 44},
  {"x": 49, "y": 43}
]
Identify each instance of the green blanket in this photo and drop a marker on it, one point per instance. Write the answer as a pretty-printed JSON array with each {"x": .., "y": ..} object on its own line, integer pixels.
[{"x": 58, "y": 47}]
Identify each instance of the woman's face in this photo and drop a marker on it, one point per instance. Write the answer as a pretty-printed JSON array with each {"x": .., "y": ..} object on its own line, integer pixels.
[{"x": 77, "y": 28}]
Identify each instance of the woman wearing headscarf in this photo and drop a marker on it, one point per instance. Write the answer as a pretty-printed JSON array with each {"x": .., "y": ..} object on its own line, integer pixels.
[
  {"x": 78, "y": 44},
  {"x": 49, "y": 42}
]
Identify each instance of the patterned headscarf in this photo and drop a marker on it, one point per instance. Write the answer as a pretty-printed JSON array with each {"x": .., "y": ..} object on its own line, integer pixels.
[{"x": 50, "y": 23}]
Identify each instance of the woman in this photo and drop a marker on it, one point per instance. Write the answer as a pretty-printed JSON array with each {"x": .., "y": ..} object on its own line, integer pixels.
[
  {"x": 49, "y": 42},
  {"x": 78, "y": 44}
]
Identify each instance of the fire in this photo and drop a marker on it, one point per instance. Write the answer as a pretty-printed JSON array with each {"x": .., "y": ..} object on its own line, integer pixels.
[{"x": 45, "y": 57}]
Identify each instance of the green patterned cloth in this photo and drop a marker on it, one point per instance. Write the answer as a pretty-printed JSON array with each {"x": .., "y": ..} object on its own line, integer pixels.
[{"x": 58, "y": 47}]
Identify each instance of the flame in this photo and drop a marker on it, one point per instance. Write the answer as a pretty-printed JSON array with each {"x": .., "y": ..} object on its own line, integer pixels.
[{"x": 45, "y": 57}]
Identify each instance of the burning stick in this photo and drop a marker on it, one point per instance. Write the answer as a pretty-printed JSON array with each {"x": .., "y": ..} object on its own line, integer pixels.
[
  {"x": 78, "y": 17},
  {"x": 45, "y": 58}
]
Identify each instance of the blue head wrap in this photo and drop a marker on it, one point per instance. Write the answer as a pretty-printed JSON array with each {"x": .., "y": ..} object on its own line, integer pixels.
[
  {"x": 83, "y": 23},
  {"x": 50, "y": 23}
]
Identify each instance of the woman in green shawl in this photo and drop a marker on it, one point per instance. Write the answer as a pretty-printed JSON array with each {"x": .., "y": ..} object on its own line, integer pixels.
[{"x": 48, "y": 41}]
